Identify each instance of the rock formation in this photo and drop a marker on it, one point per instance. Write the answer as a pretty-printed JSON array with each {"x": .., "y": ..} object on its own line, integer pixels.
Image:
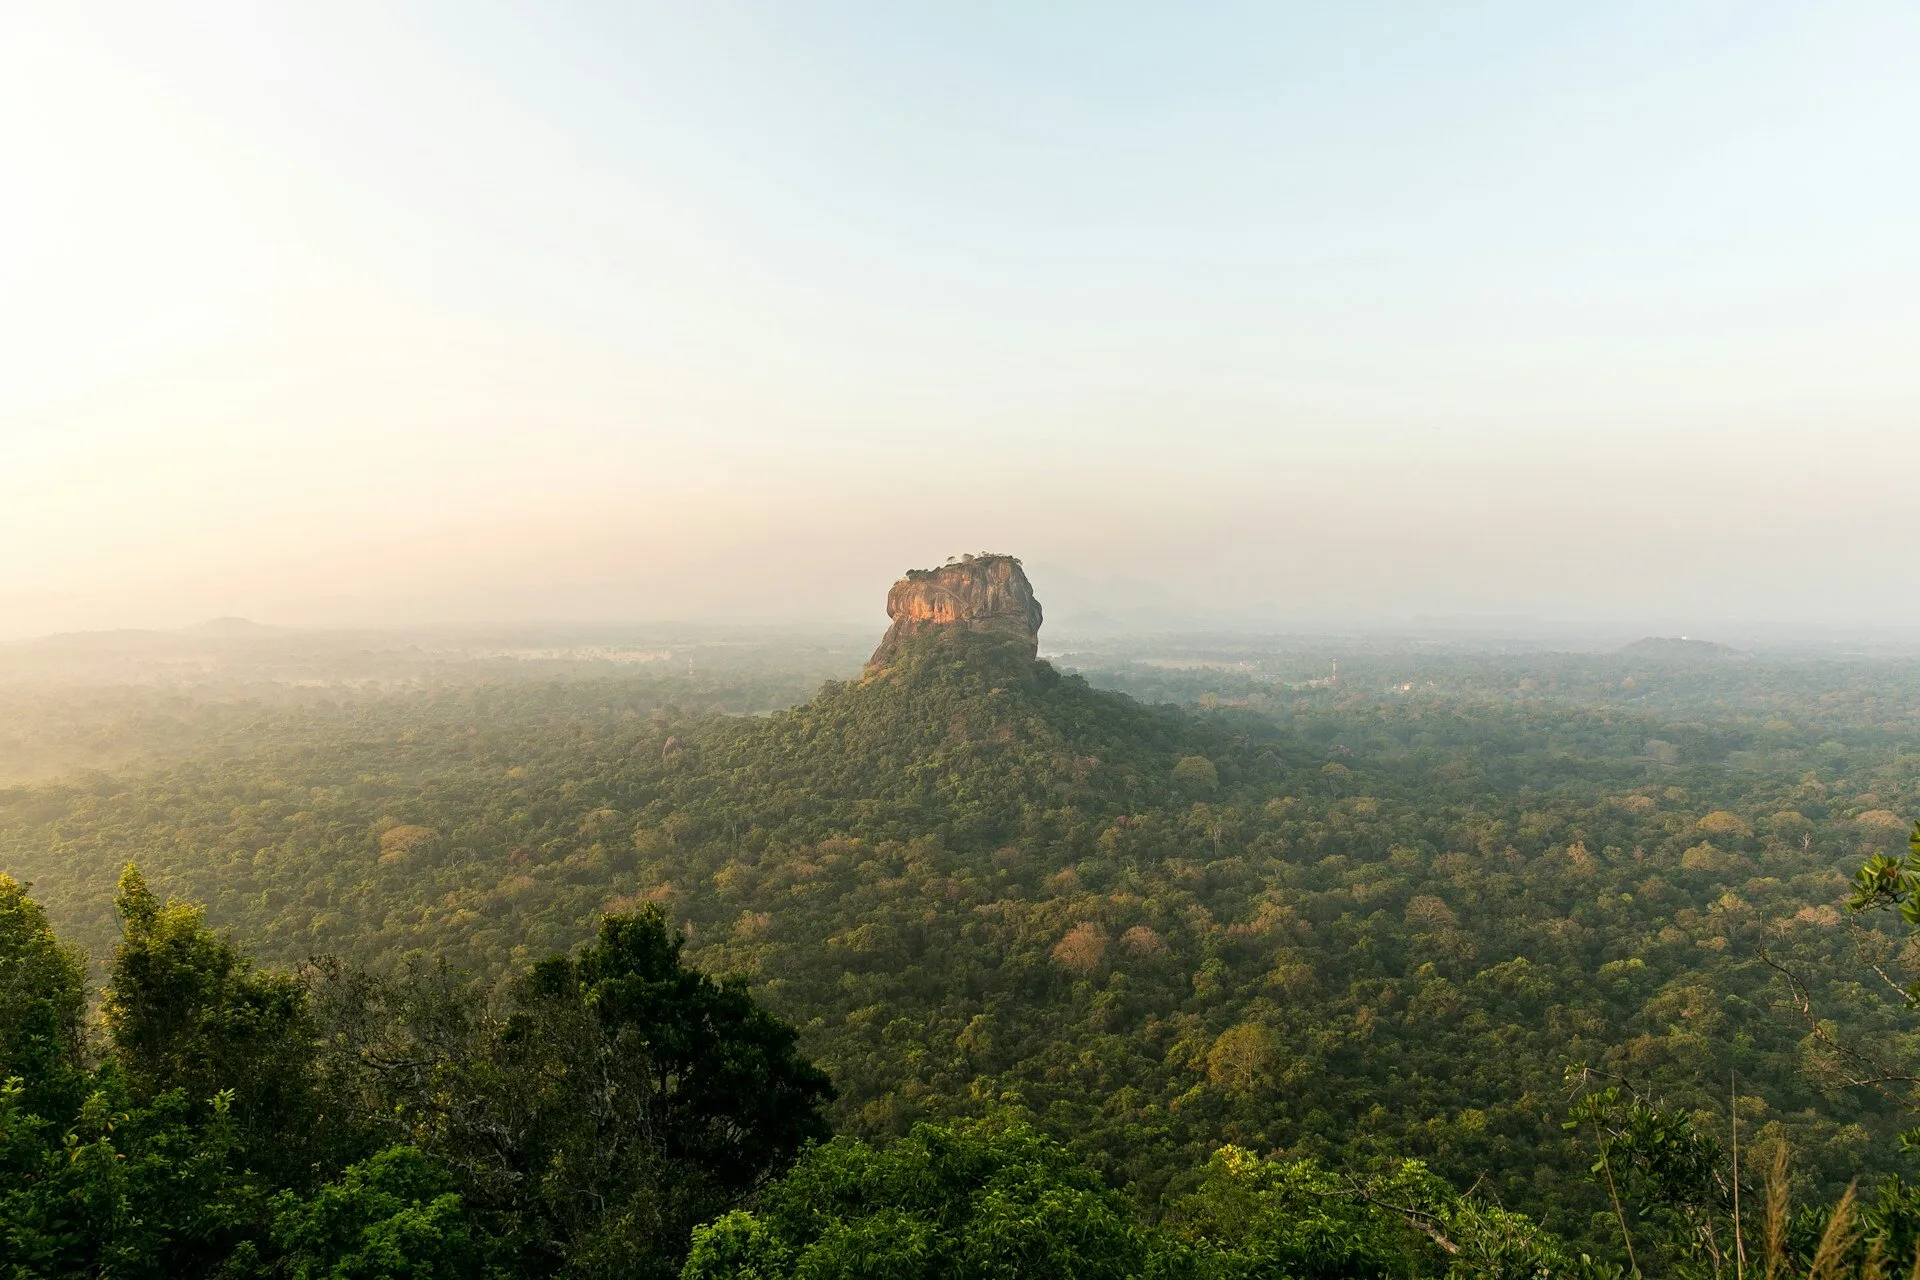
[{"x": 973, "y": 593}]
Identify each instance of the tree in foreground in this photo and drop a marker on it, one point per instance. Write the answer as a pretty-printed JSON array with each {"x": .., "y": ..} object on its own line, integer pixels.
[
  {"x": 962, "y": 1200},
  {"x": 993, "y": 1199},
  {"x": 622, "y": 1099},
  {"x": 233, "y": 1121},
  {"x": 42, "y": 1003},
  {"x": 103, "y": 1171},
  {"x": 1696, "y": 1202}
]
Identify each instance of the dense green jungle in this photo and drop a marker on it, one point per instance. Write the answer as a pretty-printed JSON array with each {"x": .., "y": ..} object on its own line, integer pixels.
[{"x": 1152, "y": 959}]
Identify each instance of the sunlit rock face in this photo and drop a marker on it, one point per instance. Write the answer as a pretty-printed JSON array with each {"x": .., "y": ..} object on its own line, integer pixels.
[{"x": 974, "y": 593}]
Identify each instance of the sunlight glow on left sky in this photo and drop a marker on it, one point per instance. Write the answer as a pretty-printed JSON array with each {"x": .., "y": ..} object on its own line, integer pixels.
[{"x": 366, "y": 312}]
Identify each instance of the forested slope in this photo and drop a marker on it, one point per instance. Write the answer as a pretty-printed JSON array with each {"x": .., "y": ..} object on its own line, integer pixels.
[{"x": 1355, "y": 927}]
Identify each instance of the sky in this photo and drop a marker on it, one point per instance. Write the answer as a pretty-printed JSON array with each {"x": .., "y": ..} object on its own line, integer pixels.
[{"x": 392, "y": 313}]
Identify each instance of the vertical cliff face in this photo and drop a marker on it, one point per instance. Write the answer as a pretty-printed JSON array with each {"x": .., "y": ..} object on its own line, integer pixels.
[{"x": 974, "y": 593}]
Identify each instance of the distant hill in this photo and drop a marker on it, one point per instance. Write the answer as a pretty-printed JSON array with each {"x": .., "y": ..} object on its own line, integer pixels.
[
  {"x": 963, "y": 736},
  {"x": 1681, "y": 649},
  {"x": 231, "y": 629}
]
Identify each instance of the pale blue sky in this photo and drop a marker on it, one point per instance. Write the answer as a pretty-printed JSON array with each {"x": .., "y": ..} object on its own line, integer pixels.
[{"x": 355, "y": 312}]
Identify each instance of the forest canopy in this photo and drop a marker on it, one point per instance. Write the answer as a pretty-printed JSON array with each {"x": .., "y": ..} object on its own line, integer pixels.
[{"x": 985, "y": 892}]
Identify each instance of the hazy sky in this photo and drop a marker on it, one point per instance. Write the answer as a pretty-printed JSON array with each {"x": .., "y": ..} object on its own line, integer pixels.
[{"x": 344, "y": 312}]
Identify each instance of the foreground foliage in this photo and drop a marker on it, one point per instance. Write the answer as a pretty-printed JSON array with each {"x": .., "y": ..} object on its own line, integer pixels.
[
  {"x": 235, "y": 1121},
  {"x": 994, "y": 1199}
]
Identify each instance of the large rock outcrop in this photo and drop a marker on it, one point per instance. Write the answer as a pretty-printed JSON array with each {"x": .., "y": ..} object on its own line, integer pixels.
[{"x": 973, "y": 593}]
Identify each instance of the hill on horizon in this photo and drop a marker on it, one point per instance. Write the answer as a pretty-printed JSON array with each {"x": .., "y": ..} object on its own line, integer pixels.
[
  {"x": 231, "y": 628},
  {"x": 1680, "y": 648}
]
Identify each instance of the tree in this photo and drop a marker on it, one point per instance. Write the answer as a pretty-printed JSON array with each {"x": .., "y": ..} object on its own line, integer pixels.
[
  {"x": 187, "y": 1012},
  {"x": 993, "y": 1198},
  {"x": 979, "y": 1199},
  {"x": 1678, "y": 1178},
  {"x": 391, "y": 1217},
  {"x": 42, "y": 1003},
  {"x": 98, "y": 1175},
  {"x": 122, "y": 1188},
  {"x": 730, "y": 1093},
  {"x": 1196, "y": 776},
  {"x": 623, "y": 1098}
]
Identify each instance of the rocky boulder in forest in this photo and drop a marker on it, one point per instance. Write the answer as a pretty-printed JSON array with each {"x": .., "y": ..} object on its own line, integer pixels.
[{"x": 973, "y": 593}]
